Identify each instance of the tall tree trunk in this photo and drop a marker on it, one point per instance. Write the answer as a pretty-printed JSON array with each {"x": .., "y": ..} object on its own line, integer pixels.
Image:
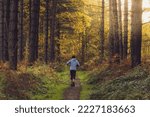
[
  {"x": 83, "y": 46},
  {"x": 111, "y": 39},
  {"x": 125, "y": 49},
  {"x": 13, "y": 34},
  {"x": 37, "y": 31},
  {"x": 20, "y": 36},
  {"x": 30, "y": 5},
  {"x": 52, "y": 30},
  {"x": 115, "y": 28},
  {"x": 1, "y": 30},
  {"x": 102, "y": 36},
  {"x": 46, "y": 31},
  {"x": 136, "y": 32},
  {"x": 29, "y": 32},
  {"x": 120, "y": 29},
  {"x": 58, "y": 41},
  {"x": 6, "y": 27},
  {"x": 33, "y": 41},
  {"x": 83, "y": 49}
]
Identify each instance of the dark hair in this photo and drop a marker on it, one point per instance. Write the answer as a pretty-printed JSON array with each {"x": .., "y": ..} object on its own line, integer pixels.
[{"x": 73, "y": 56}]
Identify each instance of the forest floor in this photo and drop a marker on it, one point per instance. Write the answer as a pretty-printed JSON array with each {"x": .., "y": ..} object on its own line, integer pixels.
[
  {"x": 41, "y": 82},
  {"x": 120, "y": 82}
]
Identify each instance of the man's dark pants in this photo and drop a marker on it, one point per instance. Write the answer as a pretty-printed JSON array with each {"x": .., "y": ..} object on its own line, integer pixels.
[{"x": 73, "y": 74}]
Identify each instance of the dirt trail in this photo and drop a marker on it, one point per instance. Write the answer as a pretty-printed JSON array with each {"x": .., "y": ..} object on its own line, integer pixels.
[{"x": 73, "y": 93}]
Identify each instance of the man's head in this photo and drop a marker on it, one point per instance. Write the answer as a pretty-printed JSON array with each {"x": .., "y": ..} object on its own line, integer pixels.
[{"x": 73, "y": 56}]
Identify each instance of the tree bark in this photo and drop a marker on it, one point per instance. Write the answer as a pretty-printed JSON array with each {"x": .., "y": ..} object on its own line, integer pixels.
[
  {"x": 83, "y": 49},
  {"x": 13, "y": 34},
  {"x": 37, "y": 32},
  {"x": 120, "y": 29},
  {"x": 52, "y": 30},
  {"x": 58, "y": 34},
  {"x": 20, "y": 36},
  {"x": 111, "y": 39},
  {"x": 136, "y": 32},
  {"x": 33, "y": 41},
  {"x": 6, "y": 28},
  {"x": 46, "y": 31},
  {"x": 30, "y": 5},
  {"x": 115, "y": 28},
  {"x": 125, "y": 49},
  {"x": 1, "y": 30},
  {"x": 102, "y": 36}
]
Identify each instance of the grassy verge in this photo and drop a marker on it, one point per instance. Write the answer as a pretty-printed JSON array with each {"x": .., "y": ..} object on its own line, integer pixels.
[
  {"x": 64, "y": 76},
  {"x": 40, "y": 82},
  {"x": 120, "y": 83},
  {"x": 36, "y": 82},
  {"x": 2, "y": 75},
  {"x": 86, "y": 88}
]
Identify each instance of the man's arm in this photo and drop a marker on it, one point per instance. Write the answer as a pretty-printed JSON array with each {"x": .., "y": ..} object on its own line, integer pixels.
[
  {"x": 68, "y": 62},
  {"x": 78, "y": 64}
]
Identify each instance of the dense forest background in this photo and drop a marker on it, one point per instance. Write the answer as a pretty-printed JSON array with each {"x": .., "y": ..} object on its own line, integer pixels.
[{"x": 37, "y": 37}]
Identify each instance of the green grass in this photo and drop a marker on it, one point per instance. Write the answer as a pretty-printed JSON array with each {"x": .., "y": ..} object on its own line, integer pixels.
[
  {"x": 86, "y": 88},
  {"x": 65, "y": 82},
  {"x": 88, "y": 80},
  {"x": 54, "y": 82},
  {"x": 65, "y": 76},
  {"x": 39, "y": 82},
  {"x": 2, "y": 75},
  {"x": 131, "y": 85}
]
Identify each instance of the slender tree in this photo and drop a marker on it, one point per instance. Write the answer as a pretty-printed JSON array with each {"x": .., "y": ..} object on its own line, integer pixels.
[
  {"x": 102, "y": 36},
  {"x": 136, "y": 32},
  {"x": 114, "y": 48},
  {"x": 20, "y": 36},
  {"x": 83, "y": 48},
  {"x": 37, "y": 30},
  {"x": 1, "y": 29},
  {"x": 30, "y": 5},
  {"x": 125, "y": 47},
  {"x": 58, "y": 34},
  {"x": 6, "y": 27},
  {"x": 46, "y": 30},
  {"x": 111, "y": 39},
  {"x": 29, "y": 32},
  {"x": 13, "y": 34},
  {"x": 115, "y": 28},
  {"x": 52, "y": 30},
  {"x": 33, "y": 41},
  {"x": 120, "y": 29}
]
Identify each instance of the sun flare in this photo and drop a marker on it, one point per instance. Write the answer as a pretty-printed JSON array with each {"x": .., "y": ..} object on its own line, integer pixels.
[
  {"x": 146, "y": 9},
  {"x": 146, "y": 13}
]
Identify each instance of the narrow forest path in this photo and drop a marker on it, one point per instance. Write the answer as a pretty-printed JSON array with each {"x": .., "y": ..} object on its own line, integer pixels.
[{"x": 73, "y": 93}]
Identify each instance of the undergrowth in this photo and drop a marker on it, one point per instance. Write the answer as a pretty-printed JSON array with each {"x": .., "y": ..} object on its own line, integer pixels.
[
  {"x": 86, "y": 88},
  {"x": 35, "y": 82},
  {"x": 120, "y": 83}
]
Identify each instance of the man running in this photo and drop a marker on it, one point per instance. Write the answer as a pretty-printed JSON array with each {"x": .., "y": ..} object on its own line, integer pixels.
[{"x": 74, "y": 63}]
